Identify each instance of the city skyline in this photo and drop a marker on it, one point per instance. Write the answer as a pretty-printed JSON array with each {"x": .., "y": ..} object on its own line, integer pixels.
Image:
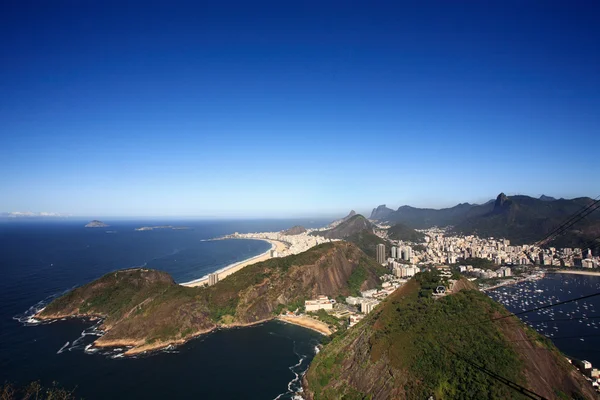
[{"x": 301, "y": 110}]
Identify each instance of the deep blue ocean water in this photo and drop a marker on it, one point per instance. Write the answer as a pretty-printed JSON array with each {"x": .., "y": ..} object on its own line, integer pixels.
[{"x": 41, "y": 259}]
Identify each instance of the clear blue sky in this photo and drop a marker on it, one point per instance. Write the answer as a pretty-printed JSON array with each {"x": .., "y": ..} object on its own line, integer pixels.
[{"x": 293, "y": 107}]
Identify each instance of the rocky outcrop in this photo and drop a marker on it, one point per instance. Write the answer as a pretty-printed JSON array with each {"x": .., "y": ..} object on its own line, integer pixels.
[{"x": 381, "y": 213}]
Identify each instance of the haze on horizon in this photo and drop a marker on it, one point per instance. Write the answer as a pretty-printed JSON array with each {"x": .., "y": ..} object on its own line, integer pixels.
[{"x": 280, "y": 109}]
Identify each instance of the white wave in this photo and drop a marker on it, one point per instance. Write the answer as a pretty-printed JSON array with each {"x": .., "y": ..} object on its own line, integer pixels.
[
  {"x": 317, "y": 350},
  {"x": 62, "y": 348}
]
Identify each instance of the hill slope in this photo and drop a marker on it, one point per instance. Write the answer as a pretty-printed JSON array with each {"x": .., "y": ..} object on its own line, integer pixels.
[
  {"x": 355, "y": 224},
  {"x": 422, "y": 218},
  {"x": 413, "y": 347},
  {"x": 405, "y": 233},
  {"x": 147, "y": 310}
]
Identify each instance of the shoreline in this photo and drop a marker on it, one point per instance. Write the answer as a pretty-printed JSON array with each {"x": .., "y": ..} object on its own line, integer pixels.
[
  {"x": 233, "y": 268},
  {"x": 308, "y": 323},
  {"x": 576, "y": 272}
]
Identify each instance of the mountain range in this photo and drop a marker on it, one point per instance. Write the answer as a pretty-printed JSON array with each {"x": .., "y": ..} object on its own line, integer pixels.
[{"x": 521, "y": 219}]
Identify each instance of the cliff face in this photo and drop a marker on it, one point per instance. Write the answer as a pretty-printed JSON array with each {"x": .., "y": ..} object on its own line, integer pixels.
[
  {"x": 381, "y": 213},
  {"x": 146, "y": 309},
  {"x": 412, "y": 347}
]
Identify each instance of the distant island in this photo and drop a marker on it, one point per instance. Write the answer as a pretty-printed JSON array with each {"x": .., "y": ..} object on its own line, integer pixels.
[
  {"x": 96, "y": 224},
  {"x": 150, "y": 228}
]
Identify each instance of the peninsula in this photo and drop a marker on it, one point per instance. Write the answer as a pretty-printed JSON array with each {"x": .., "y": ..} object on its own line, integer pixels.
[{"x": 145, "y": 309}]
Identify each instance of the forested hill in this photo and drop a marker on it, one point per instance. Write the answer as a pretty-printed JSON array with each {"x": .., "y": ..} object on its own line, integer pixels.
[
  {"x": 145, "y": 309},
  {"x": 402, "y": 232},
  {"x": 522, "y": 219},
  {"x": 355, "y": 224},
  {"x": 414, "y": 347}
]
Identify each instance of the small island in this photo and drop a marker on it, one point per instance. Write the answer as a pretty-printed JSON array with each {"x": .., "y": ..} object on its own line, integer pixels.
[
  {"x": 96, "y": 224},
  {"x": 150, "y": 228}
]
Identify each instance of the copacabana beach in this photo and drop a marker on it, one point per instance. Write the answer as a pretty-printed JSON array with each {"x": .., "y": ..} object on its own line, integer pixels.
[{"x": 233, "y": 268}]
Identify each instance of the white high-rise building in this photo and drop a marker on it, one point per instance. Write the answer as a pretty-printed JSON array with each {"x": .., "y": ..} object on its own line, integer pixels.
[
  {"x": 394, "y": 252},
  {"x": 406, "y": 253},
  {"x": 381, "y": 253}
]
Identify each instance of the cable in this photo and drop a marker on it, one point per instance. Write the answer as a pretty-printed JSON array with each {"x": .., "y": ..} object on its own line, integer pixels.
[
  {"x": 513, "y": 385},
  {"x": 579, "y": 215}
]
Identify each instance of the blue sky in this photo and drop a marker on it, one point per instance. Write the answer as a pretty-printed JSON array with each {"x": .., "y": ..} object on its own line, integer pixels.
[{"x": 294, "y": 108}]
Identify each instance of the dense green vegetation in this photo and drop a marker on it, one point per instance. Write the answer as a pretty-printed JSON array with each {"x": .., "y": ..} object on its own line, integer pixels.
[
  {"x": 356, "y": 280},
  {"x": 405, "y": 233},
  {"x": 477, "y": 262},
  {"x": 415, "y": 347}
]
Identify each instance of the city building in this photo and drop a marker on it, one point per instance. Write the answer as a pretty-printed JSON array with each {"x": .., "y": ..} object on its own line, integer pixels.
[
  {"x": 213, "y": 279},
  {"x": 394, "y": 252},
  {"x": 320, "y": 303},
  {"x": 368, "y": 306},
  {"x": 406, "y": 253},
  {"x": 381, "y": 253}
]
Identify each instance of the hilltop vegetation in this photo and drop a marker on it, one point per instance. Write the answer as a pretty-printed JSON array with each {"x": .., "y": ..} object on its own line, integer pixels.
[
  {"x": 405, "y": 233},
  {"x": 146, "y": 309},
  {"x": 414, "y": 347}
]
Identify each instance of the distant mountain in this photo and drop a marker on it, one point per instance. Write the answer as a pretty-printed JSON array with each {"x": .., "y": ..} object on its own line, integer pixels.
[
  {"x": 294, "y": 230},
  {"x": 335, "y": 223},
  {"x": 350, "y": 225},
  {"x": 405, "y": 233},
  {"x": 524, "y": 219},
  {"x": 422, "y": 218},
  {"x": 381, "y": 213},
  {"x": 96, "y": 224},
  {"x": 521, "y": 219}
]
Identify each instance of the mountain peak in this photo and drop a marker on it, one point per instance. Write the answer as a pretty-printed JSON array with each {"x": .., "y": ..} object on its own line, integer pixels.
[
  {"x": 546, "y": 198},
  {"x": 500, "y": 201},
  {"x": 381, "y": 212}
]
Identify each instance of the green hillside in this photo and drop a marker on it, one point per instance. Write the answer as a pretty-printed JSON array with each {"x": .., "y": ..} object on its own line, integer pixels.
[
  {"x": 415, "y": 347},
  {"x": 405, "y": 233}
]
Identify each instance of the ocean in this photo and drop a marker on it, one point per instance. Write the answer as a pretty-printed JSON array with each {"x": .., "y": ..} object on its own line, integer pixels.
[{"x": 39, "y": 260}]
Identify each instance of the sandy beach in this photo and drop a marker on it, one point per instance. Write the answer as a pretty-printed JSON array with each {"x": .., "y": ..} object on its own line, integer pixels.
[
  {"x": 307, "y": 322},
  {"x": 575, "y": 272},
  {"x": 230, "y": 269}
]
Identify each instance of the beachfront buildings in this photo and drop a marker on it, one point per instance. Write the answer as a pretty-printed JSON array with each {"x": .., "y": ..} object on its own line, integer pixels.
[
  {"x": 320, "y": 303},
  {"x": 213, "y": 278}
]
